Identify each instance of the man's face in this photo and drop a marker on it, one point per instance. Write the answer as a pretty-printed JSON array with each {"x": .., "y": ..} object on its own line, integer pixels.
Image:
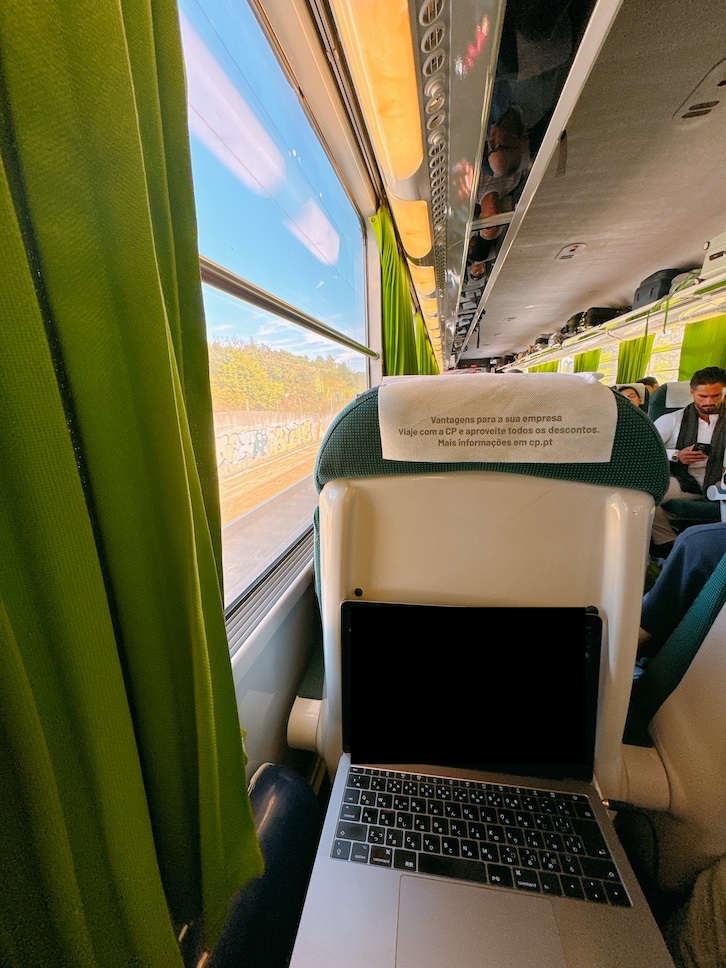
[
  {"x": 708, "y": 397},
  {"x": 504, "y": 150},
  {"x": 477, "y": 270},
  {"x": 632, "y": 395}
]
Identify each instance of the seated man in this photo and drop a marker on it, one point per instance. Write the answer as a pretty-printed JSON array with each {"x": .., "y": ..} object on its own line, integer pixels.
[
  {"x": 694, "y": 439},
  {"x": 696, "y": 553}
]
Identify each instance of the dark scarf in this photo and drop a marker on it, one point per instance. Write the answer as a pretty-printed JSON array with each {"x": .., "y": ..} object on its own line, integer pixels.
[{"x": 687, "y": 435}]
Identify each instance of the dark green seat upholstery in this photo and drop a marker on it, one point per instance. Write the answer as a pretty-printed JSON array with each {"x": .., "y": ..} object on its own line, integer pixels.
[{"x": 351, "y": 448}]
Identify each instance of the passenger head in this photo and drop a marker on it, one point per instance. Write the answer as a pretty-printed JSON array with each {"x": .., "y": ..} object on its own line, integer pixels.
[
  {"x": 650, "y": 382},
  {"x": 631, "y": 393},
  {"x": 476, "y": 256},
  {"x": 477, "y": 270},
  {"x": 505, "y": 144},
  {"x": 491, "y": 205},
  {"x": 707, "y": 388}
]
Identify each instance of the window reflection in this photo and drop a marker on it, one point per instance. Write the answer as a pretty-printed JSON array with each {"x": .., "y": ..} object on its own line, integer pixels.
[{"x": 539, "y": 41}]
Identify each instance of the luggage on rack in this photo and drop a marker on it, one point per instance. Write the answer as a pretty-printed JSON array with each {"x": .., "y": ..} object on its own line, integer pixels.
[
  {"x": 597, "y": 315},
  {"x": 654, "y": 287}
]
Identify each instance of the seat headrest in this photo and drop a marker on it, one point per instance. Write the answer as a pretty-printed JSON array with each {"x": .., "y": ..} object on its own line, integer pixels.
[
  {"x": 636, "y": 458},
  {"x": 668, "y": 397}
]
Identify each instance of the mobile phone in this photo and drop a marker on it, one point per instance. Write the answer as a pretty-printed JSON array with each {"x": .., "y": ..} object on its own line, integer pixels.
[{"x": 703, "y": 448}]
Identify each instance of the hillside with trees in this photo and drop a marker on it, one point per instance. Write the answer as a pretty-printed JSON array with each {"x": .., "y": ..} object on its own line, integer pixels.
[{"x": 253, "y": 376}]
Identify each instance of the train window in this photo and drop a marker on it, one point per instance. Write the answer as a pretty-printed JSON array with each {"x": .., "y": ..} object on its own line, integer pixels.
[{"x": 272, "y": 215}]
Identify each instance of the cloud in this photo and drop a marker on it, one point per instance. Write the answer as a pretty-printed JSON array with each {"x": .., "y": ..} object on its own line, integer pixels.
[
  {"x": 312, "y": 228},
  {"x": 223, "y": 121}
]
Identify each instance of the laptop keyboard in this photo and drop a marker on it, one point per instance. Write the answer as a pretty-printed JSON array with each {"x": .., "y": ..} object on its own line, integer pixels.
[{"x": 510, "y": 837}]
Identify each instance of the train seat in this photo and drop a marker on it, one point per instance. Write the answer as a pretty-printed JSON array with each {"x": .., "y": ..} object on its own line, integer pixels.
[
  {"x": 667, "y": 398},
  {"x": 493, "y": 531},
  {"x": 642, "y": 390},
  {"x": 677, "y": 709}
]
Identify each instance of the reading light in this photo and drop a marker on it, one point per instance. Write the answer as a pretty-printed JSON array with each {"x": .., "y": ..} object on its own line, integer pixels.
[
  {"x": 429, "y": 306},
  {"x": 434, "y": 330},
  {"x": 377, "y": 38},
  {"x": 424, "y": 279},
  {"x": 412, "y": 222}
]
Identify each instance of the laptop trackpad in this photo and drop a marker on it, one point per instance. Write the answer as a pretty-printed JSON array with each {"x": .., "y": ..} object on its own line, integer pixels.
[{"x": 442, "y": 924}]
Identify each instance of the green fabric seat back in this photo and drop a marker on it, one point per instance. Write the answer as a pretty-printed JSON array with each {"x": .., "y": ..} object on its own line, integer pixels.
[
  {"x": 351, "y": 448},
  {"x": 657, "y": 404}
]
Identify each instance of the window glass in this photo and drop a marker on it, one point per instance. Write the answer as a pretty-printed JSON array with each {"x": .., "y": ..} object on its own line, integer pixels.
[
  {"x": 270, "y": 209},
  {"x": 275, "y": 388}
]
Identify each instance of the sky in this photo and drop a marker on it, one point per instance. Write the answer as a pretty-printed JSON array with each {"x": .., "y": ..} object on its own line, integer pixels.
[{"x": 269, "y": 206}]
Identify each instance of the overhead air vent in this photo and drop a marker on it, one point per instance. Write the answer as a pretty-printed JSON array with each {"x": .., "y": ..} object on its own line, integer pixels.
[
  {"x": 430, "y": 11},
  {"x": 705, "y": 99},
  {"x": 570, "y": 251}
]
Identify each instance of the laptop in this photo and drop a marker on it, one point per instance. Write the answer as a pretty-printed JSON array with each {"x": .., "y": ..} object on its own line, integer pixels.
[{"x": 464, "y": 828}]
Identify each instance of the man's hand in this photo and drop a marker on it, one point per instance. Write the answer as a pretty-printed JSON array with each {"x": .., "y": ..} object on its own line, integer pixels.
[{"x": 690, "y": 456}]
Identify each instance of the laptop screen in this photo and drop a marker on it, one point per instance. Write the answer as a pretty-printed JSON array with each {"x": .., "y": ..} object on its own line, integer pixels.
[{"x": 502, "y": 689}]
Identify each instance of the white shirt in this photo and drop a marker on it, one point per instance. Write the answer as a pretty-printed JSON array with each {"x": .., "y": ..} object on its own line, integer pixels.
[{"x": 669, "y": 426}]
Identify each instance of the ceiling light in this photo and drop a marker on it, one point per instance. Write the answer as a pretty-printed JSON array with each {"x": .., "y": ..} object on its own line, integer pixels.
[
  {"x": 414, "y": 227},
  {"x": 377, "y": 39},
  {"x": 424, "y": 279}
]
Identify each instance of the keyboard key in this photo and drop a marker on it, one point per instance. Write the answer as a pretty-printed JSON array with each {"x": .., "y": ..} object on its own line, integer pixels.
[
  {"x": 594, "y": 890},
  {"x": 550, "y": 883},
  {"x": 458, "y": 867},
  {"x": 489, "y": 853},
  {"x": 351, "y": 831},
  {"x": 525, "y": 880},
  {"x": 617, "y": 895},
  {"x": 412, "y": 841},
  {"x": 431, "y": 844},
  {"x": 469, "y": 849},
  {"x": 571, "y": 886},
  {"x": 394, "y": 838},
  {"x": 500, "y": 876},
  {"x": 404, "y": 860},
  {"x": 381, "y": 856},
  {"x": 359, "y": 853},
  {"x": 603, "y": 870},
  {"x": 341, "y": 849}
]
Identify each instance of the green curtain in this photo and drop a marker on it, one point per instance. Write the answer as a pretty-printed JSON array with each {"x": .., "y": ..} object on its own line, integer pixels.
[
  {"x": 399, "y": 345},
  {"x": 633, "y": 358},
  {"x": 587, "y": 362},
  {"x": 545, "y": 367},
  {"x": 426, "y": 360},
  {"x": 124, "y": 811},
  {"x": 703, "y": 341}
]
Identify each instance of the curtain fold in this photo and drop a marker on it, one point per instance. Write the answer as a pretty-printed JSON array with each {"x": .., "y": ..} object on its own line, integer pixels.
[
  {"x": 124, "y": 811},
  {"x": 425, "y": 358},
  {"x": 705, "y": 340},
  {"x": 399, "y": 345},
  {"x": 587, "y": 362},
  {"x": 633, "y": 358},
  {"x": 552, "y": 367}
]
